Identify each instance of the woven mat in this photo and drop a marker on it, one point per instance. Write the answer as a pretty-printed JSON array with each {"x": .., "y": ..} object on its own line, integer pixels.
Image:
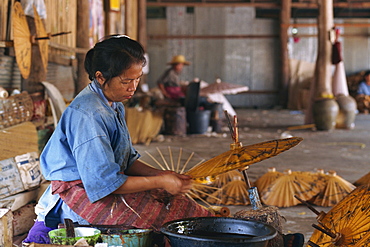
[{"x": 18, "y": 139}]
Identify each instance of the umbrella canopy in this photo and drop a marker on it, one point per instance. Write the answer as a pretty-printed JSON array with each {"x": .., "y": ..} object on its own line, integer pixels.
[
  {"x": 22, "y": 40},
  {"x": 347, "y": 222},
  {"x": 335, "y": 190},
  {"x": 239, "y": 157},
  {"x": 43, "y": 43},
  {"x": 233, "y": 193},
  {"x": 222, "y": 87},
  {"x": 224, "y": 178},
  {"x": 281, "y": 193},
  {"x": 268, "y": 178},
  {"x": 363, "y": 180}
]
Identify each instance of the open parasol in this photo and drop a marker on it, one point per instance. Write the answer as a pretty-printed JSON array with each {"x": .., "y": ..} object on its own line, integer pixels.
[
  {"x": 363, "y": 180},
  {"x": 227, "y": 177},
  {"x": 281, "y": 192},
  {"x": 222, "y": 87},
  {"x": 268, "y": 178},
  {"x": 21, "y": 40},
  {"x": 335, "y": 190},
  {"x": 347, "y": 223},
  {"x": 239, "y": 157},
  {"x": 232, "y": 193}
]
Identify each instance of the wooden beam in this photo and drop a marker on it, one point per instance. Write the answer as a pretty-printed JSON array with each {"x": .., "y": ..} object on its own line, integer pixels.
[
  {"x": 246, "y": 36},
  {"x": 208, "y": 4}
]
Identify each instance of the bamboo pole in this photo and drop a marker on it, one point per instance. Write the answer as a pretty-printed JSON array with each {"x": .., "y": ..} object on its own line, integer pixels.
[{"x": 321, "y": 85}]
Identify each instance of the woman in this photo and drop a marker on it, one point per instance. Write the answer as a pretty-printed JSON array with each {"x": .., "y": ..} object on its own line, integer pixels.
[{"x": 95, "y": 174}]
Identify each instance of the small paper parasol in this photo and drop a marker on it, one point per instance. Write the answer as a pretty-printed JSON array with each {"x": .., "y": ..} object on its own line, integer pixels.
[
  {"x": 222, "y": 87},
  {"x": 239, "y": 157},
  {"x": 43, "y": 43},
  {"x": 281, "y": 193},
  {"x": 363, "y": 180},
  {"x": 347, "y": 223},
  {"x": 233, "y": 193},
  {"x": 268, "y": 178},
  {"x": 224, "y": 178},
  {"x": 22, "y": 40},
  {"x": 335, "y": 190}
]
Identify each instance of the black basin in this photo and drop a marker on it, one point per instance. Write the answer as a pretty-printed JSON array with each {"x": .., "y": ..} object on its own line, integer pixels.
[{"x": 217, "y": 231}]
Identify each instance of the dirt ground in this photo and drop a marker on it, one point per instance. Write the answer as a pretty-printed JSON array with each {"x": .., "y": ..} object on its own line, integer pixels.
[{"x": 345, "y": 151}]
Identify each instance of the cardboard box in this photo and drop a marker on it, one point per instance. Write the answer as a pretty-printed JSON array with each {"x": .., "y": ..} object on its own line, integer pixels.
[
  {"x": 6, "y": 226},
  {"x": 10, "y": 179},
  {"x": 29, "y": 168},
  {"x": 19, "y": 174}
]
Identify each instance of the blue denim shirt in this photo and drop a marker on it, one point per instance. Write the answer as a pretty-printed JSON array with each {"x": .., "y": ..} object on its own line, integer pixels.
[
  {"x": 91, "y": 143},
  {"x": 363, "y": 88}
]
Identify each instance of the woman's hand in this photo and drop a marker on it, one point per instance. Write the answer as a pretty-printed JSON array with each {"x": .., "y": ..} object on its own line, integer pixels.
[{"x": 175, "y": 183}]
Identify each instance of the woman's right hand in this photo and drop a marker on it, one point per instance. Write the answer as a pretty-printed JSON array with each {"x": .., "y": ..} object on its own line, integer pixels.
[{"x": 175, "y": 184}]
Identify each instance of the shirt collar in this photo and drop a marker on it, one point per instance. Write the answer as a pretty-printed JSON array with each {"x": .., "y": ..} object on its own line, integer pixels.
[{"x": 95, "y": 87}]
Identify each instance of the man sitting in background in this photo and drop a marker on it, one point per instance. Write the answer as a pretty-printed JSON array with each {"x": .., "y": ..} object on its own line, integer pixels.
[
  {"x": 363, "y": 94},
  {"x": 169, "y": 83}
]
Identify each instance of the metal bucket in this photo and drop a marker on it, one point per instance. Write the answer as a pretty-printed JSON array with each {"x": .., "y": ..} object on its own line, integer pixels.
[
  {"x": 129, "y": 238},
  {"x": 218, "y": 231}
]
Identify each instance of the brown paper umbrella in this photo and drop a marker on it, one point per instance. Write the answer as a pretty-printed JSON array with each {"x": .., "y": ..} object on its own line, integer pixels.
[
  {"x": 363, "y": 180},
  {"x": 335, "y": 190},
  {"x": 222, "y": 87},
  {"x": 281, "y": 193},
  {"x": 21, "y": 40},
  {"x": 268, "y": 178},
  {"x": 224, "y": 178},
  {"x": 347, "y": 223},
  {"x": 239, "y": 157},
  {"x": 233, "y": 193},
  {"x": 43, "y": 43}
]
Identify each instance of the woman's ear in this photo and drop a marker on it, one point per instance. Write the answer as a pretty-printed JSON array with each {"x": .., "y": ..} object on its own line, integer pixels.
[{"x": 99, "y": 77}]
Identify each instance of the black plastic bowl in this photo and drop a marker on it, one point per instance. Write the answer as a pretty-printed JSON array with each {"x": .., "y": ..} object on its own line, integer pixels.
[{"x": 217, "y": 231}]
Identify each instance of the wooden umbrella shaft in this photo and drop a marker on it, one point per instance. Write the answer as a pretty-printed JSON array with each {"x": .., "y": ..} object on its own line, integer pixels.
[{"x": 52, "y": 35}]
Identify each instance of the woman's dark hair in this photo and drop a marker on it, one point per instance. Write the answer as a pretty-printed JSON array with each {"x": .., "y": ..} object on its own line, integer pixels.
[{"x": 113, "y": 55}]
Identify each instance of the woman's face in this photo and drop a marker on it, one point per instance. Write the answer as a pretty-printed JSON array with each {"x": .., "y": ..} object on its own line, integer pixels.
[{"x": 122, "y": 87}]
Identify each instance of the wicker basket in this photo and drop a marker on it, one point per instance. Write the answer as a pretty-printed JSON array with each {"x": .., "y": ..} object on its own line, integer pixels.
[{"x": 15, "y": 109}]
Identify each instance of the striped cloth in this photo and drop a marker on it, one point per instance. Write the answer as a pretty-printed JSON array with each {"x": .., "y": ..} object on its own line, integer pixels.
[{"x": 149, "y": 209}]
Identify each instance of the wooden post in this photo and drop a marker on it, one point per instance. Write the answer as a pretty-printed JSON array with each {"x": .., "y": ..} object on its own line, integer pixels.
[
  {"x": 131, "y": 18},
  {"x": 326, "y": 34},
  {"x": 82, "y": 41},
  {"x": 142, "y": 23},
  {"x": 321, "y": 84},
  {"x": 285, "y": 14}
]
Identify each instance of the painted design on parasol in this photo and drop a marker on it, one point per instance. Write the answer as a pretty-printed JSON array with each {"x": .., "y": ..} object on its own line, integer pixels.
[
  {"x": 346, "y": 224},
  {"x": 233, "y": 193},
  {"x": 363, "y": 180},
  {"x": 335, "y": 190},
  {"x": 268, "y": 178},
  {"x": 281, "y": 193}
]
